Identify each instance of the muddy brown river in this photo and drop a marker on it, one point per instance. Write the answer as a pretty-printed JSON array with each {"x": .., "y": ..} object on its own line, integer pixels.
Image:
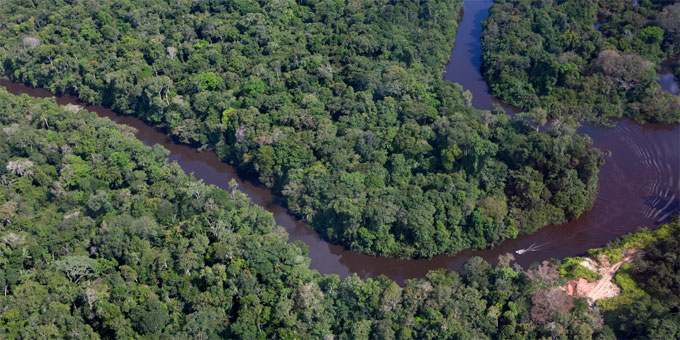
[{"x": 639, "y": 184}]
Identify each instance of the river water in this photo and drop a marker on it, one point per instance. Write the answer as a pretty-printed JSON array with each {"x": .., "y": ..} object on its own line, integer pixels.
[
  {"x": 639, "y": 184},
  {"x": 667, "y": 80}
]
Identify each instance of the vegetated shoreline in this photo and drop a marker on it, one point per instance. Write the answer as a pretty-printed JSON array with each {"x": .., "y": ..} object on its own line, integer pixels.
[
  {"x": 120, "y": 243},
  {"x": 251, "y": 177},
  {"x": 398, "y": 279},
  {"x": 241, "y": 175},
  {"x": 380, "y": 194},
  {"x": 568, "y": 78},
  {"x": 87, "y": 205}
]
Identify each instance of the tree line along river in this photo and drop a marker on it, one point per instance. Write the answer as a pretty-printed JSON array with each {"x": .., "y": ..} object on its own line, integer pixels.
[{"x": 638, "y": 186}]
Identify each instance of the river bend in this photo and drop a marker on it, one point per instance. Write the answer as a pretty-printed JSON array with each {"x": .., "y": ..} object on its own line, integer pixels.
[{"x": 639, "y": 184}]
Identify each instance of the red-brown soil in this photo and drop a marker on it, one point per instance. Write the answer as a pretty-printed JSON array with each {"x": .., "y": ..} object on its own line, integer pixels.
[{"x": 604, "y": 287}]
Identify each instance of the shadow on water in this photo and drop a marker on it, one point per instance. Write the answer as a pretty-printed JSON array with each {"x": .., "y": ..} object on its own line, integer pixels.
[
  {"x": 636, "y": 184},
  {"x": 466, "y": 57},
  {"x": 669, "y": 83},
  {"x": 667, "y": 80}
]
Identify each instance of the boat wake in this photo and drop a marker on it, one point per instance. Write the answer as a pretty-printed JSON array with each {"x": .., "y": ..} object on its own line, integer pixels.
[
  {"x": 659, "y": 180},
  {"x": 532, "y": 247}
]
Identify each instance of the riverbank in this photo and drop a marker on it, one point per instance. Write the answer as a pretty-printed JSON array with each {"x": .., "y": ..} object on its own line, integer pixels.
[
  {"x": 117, "y": 242},
  {"x": 638, "y": 186}
]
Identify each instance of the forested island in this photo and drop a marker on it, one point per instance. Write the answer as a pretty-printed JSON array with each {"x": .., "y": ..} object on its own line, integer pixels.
[
  {"x": 101, "y": 237},
  {"x": 339, "y": 107},
  {"x": 590, "y": 60}
]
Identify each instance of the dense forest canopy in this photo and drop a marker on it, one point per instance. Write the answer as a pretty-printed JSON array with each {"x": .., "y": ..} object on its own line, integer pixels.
[
  {"x": 339, "y": 106},
  {"x": 102, "y": 238},
  {"x": 591, "y": 60}
]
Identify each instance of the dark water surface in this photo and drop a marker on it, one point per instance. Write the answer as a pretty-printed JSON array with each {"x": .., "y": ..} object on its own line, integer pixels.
[
  {"x": 667, "y": 80},
  {"x": 669, "y": 83},
  {"x": 639, "y": 185},
  {"x": 466, "y": 57}
]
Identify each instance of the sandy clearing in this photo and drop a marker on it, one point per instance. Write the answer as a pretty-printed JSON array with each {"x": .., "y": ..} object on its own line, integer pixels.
[{"x": 604, "y": 287}]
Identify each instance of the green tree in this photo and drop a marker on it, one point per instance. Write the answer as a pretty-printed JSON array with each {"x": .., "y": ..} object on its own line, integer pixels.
[{"x": 150, "y": 317}]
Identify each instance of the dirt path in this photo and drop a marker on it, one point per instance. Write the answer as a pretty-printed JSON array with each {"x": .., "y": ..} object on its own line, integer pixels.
[{"x": 604, "y": 287}]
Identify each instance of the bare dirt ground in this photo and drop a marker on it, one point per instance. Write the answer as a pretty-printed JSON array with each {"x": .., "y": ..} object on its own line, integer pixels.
[{"x": 604, "y": 287}]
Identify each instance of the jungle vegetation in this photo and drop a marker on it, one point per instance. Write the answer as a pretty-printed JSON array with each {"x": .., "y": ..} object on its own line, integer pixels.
[
  {"x": 102, "y": 238},
  {"x": 583, "y": 59},
  {"x": 338, "y": 106}
]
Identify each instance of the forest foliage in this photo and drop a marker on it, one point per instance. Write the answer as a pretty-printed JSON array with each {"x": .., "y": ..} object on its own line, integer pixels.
[
  {"x": 338, "y": 106},
  {"x": 583, "y": 59},
  {"x": 101, "y": 238}
]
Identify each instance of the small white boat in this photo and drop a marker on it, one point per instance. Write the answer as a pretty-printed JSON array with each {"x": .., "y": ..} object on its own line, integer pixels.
[{"x": 521, "y": 251}]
